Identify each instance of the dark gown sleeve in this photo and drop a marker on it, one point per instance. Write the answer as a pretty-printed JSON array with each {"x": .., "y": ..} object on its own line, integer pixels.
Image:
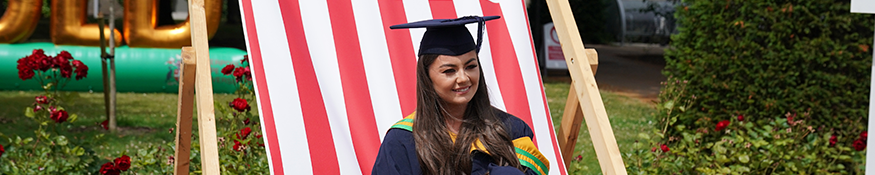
[
  {"x": 397, "y": 154},
  {"x": 516, "y": 128}
]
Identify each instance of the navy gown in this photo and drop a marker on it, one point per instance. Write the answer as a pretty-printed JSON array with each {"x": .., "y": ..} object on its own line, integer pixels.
[{"x": 398, "y": 152}]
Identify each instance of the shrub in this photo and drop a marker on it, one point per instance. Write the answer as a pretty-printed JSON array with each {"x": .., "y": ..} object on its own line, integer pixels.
[
  {"x": 763, "y": 58},
  {"x": 797, "y": 72}
]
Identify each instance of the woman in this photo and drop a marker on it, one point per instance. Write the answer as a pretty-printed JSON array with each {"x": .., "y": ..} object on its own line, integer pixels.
[{"x": 455, "y": 130}]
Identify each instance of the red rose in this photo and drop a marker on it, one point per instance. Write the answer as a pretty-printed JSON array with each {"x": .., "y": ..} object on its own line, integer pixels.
[
  {"x": 66, "y": 70},
  {"x": 123, "y": 163},
  {"x": 244, "y": 133},
  {"x": 833, "y": 140},
  {"x": 740, "y": 118},
  {"x": 653, "y": 149},
  {"x": 238, "y": 146},
  {"x": 38, "y": 52},
  {"x": 238, "y": 72},
  {"x": 2, "y": 150},
  {"x": 228, "y": 69},
  {"x": 790, "y": 119},
  {"x": 81, "y": 69},
  {"x": 247, "y": 73},
  {"x": 105, "y": 124},
  {"x": 42, "y": 99},
  {"x": 864, "y": 136},
  {"x": 242, "y": 72},
  {"x": 240, "y": 105},
  {"x": 859, "y": 145},
  {"x": 109, "y": 168},
  {"x": 59, "y": 116},
  {"x": 25, "y": 74},
  {"x": 246, "y": 121},
  {"x": 37, "y": 108},
  {"x": 64, "y": 55},
  {"x": 722, "y": 125},
  {"x": 664, "y": 148}
]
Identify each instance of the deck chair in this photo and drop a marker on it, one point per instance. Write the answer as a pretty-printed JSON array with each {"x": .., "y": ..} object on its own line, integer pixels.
[{"x": 331, "y": 78}]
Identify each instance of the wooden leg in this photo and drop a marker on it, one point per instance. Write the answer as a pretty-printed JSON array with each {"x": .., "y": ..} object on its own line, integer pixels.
[
  {"x": 184, "y": 111},
  {"x": 570, "y": 127}
]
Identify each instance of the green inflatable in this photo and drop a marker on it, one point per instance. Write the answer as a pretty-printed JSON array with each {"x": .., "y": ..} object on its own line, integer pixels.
[{"x": 137, "y": 69}]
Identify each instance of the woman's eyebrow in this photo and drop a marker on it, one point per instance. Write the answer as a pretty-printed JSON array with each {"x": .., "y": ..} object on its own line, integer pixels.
[{"x": 470, "y": 60}]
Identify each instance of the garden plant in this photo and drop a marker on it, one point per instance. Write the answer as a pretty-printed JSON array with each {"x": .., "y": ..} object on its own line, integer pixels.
[{"x": 762, "y": 87}]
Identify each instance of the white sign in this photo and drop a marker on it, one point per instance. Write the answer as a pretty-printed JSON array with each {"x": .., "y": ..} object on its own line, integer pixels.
[
  {"x": 862, "y": 6},
  {"x": 554, "y": 58}
]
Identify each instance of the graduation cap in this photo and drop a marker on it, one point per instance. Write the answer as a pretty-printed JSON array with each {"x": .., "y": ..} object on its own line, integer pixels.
[{"x": 448, "y": 36}]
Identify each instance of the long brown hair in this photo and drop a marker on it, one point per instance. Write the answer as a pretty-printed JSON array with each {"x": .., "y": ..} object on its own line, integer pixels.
[{"x": 436, "y": 151}]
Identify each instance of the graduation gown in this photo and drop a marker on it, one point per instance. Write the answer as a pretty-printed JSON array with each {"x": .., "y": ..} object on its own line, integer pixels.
[{"x": 397, "y": 154}]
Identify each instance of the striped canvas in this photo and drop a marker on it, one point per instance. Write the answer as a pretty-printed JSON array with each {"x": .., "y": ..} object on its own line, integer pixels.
[{"x": 331, "y": 77}]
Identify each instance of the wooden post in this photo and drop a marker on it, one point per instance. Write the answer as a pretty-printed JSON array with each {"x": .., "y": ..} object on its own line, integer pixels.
[
  {"x": 184, "y": 111},
  {"x": 573, "y": 115},
  {"x": 103, "y": 66},
  {"x": 204, "y": 86},
  {"x": 586, "y": 89}
]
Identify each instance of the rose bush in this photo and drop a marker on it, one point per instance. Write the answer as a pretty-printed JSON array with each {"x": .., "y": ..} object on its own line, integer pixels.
[
  {"x": 719, "y": 144},
  {"x": 49, "y": 151}
]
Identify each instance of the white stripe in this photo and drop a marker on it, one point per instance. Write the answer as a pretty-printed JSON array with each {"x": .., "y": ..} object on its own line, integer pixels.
[
  {"x": 320, "y": 40},
  {"x": 254, "y": 81},
  {"x": 416, "y": 10},
  {"x": 278, "y": 70},
  {"x": 517, "y": 27},
  {"x": 466, "y": 8},
  {"x": 378, "y": 65}
]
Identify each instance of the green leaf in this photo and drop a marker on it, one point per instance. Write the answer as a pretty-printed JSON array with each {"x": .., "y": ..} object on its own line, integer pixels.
[
  {"x": 744, "y": 158},
  {"x": 73, "y": 117},
  {"x": 29, "y": 112},
  {"x": 78, "y": 151},
  {"x": 61, "y": 140},
  {"x": 669, "y": 104}
]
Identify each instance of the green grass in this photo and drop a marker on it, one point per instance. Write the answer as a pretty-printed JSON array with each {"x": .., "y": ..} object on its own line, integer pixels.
[
  {"x": 143, "y": 119},
  {"x": 146, "y": 118},
  {"x": 628, "y": 117}
]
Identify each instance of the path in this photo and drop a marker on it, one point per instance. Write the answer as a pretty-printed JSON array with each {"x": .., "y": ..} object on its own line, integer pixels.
[{"x": 633, "y": 70}]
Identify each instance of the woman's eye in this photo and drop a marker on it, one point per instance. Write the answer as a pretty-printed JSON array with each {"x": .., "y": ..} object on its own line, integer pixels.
[
  {"x": 471, "y": 66},
  {"x": 449, "y": 71}
]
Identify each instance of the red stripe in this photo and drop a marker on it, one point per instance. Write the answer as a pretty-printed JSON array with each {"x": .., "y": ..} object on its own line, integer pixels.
[
  {"x": 401, "y": 53},
  {"x": 442, "y": 9},
  {"x": 263, "y": 94},
  {"x": 319, "y": 138},
  {"x": 507, "y": 68},
  {"x": 362, "y": 124}
]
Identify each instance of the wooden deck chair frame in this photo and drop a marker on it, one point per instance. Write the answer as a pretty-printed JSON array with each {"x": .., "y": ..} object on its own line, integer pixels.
[{"x": 584, "y": 100}]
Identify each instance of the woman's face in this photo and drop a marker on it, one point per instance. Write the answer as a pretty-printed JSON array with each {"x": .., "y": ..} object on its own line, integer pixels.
[{"x": 455, "y": 78}]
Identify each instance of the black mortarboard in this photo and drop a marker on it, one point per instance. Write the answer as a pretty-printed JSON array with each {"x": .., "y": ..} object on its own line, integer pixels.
[{"x": 448, "y": 36}]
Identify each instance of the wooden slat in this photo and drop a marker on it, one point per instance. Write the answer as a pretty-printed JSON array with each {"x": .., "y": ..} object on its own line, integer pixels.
[
  {"x": 586, "y": 88},
  {"x": 573, "y": 115},
  {"x": 184, "y": 111},
  {"x": 570, "y": 127},
  {"x": 204, "y": 88}
]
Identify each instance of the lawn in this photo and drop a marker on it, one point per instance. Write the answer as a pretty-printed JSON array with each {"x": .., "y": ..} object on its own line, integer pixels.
[
  {"x": 628, "y": 117},
  {"x": 145, "y": 119}
]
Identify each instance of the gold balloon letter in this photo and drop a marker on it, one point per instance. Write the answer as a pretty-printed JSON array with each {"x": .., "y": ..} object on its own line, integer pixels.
[
  {"x": 141, "y": 29},
  {"x": 68, "y": 25},
  {"x": 19, "y": 20}
]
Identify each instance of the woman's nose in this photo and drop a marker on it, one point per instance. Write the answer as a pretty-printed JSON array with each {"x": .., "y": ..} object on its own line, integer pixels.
[{"x": 463, "y": 77}]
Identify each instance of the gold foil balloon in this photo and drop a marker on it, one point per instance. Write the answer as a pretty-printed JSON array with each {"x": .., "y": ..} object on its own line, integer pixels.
[
  {"x": 69, "y": 28},
  {"x": 19, "y": 20},
  {"x": 141, "y": 30}
]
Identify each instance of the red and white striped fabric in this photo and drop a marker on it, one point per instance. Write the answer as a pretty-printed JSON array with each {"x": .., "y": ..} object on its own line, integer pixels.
[{"x": 331, "y": 77}]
